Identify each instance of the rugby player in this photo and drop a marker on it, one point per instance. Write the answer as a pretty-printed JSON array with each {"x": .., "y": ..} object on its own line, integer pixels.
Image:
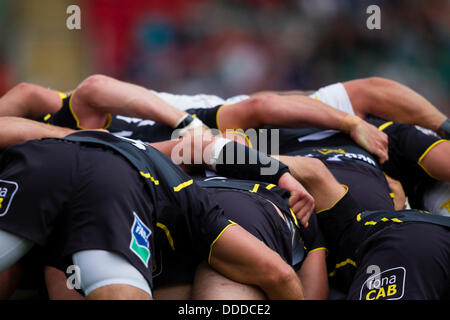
[
  {"x": 362, "y": 228},
  {"x": 19, "y": 164},
  {"x": 91, "y": 103},
  {"x": 416, "y": 157},
  {"x": 381, "y": 97}
]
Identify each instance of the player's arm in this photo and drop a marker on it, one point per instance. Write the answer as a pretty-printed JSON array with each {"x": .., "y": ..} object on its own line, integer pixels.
[
  {"x": 394, "y": 101},
  {"x": 14, "y": 130},
  {"x": 300, "y": 111},
  {"x": 30, "y": 101},
  {"x": 236, "y": 160},
  {"x": 98, "y": 95},
  {"x": 313, "y": 275},
  {"x": 240, "y": 256},
  {"x": 436, "y": 160}
]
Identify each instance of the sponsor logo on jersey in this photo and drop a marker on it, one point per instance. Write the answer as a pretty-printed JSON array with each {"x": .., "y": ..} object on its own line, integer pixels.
[
  {"x": 7, "y": 191},
  {"x": 445, "y": 205},
  {"x": 326, "y": 151},
  {"x": 428, "y": 132},
  {"x": 140, "y": 244},
  {"x": 386, "y": 285},
  {"x": 140, "y": 122}
]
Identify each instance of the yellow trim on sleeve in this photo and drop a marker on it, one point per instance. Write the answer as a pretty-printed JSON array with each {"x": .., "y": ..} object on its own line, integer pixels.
[
  {"x": 183, "y": 185},
  {"x": 425, "y": 153},
  {"x": 167, "y": 232},
  {"x": 316, "y": 249},
  {"x": 250, "y": 145},
  {"x": 47, "y": 116},
  {"x": 334, "y": 204},
  {"x": 108, "y": 121},
  {"x": 217, "y": 116},
  {"x": 73, "y": 113},
  {"x": 342, "y": 264},
  {"x": 270, "y": 186},
  {"x": 62, "y": 95},
  {"x": 217, "y": 238},
  {"x": 385, "y": 125}
]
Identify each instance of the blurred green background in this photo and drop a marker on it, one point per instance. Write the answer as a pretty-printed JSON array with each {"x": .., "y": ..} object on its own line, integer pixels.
[{"x": 227, "y": 47}]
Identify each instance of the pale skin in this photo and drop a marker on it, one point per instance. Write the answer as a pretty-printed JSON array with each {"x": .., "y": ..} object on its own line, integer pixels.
[
  {"x": 91, "y": 101},
  {"x": 394, "y": 101}
]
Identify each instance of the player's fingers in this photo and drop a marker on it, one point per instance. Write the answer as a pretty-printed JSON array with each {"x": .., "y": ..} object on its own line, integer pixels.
[
  {"x": 293, "y": 199},
  {"x": 305, "y": 214},
  {"x": 302, "y": 208}
]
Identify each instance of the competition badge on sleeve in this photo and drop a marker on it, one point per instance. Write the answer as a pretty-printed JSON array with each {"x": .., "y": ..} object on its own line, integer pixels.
[
  {"x": 140, "y": 244},
  {"x": 7, "y": 192}
]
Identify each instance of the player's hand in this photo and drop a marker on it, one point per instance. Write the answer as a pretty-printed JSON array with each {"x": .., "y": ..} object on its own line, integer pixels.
[
  {"x": 371, "y": 139},
  {"x": 300, "y": 201}
]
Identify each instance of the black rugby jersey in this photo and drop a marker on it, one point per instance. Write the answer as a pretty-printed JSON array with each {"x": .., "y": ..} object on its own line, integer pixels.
[{"x": 182, "y": 209}]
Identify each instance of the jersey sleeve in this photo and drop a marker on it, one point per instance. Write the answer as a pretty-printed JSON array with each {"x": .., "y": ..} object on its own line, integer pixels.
[
  {"x": 207, "y": 115},
  {"x": 312, "y": 236},
  {"x": 408, "y": 145}
]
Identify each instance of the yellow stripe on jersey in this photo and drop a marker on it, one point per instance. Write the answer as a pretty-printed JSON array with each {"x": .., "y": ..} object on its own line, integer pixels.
[
  {"x": 47, "y": 116},
  {"x": 270, "y": 186},
  {"x": 294, "y": 217},
  {"x": 385, "y": 125},
  {"x": 183, "y": 185},
  {"x": 255, "y": 188},
  {"x": 168, "y": 235},
  {"x": 149, "y": 176}
]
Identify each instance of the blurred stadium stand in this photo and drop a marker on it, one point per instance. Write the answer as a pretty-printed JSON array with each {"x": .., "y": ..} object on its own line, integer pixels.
[{"x": 228, "y": 47}]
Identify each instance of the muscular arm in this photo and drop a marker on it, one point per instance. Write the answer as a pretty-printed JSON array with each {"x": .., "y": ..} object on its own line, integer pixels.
[
  {"x": 15, "y": 130},
  {"x": 300, "y": 111},
  {"x": 436, "y": 162},
  {"x": 240, "y": 256},
  {"x": 98, "y": 95},
  {"x": 394, "y": 101},
  {"x": 313, "y": 275},
  {"x": 29, "y": 101}
]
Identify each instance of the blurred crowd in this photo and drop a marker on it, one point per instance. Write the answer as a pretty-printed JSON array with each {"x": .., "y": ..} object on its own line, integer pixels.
[{"x": 241, "y": 46}]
